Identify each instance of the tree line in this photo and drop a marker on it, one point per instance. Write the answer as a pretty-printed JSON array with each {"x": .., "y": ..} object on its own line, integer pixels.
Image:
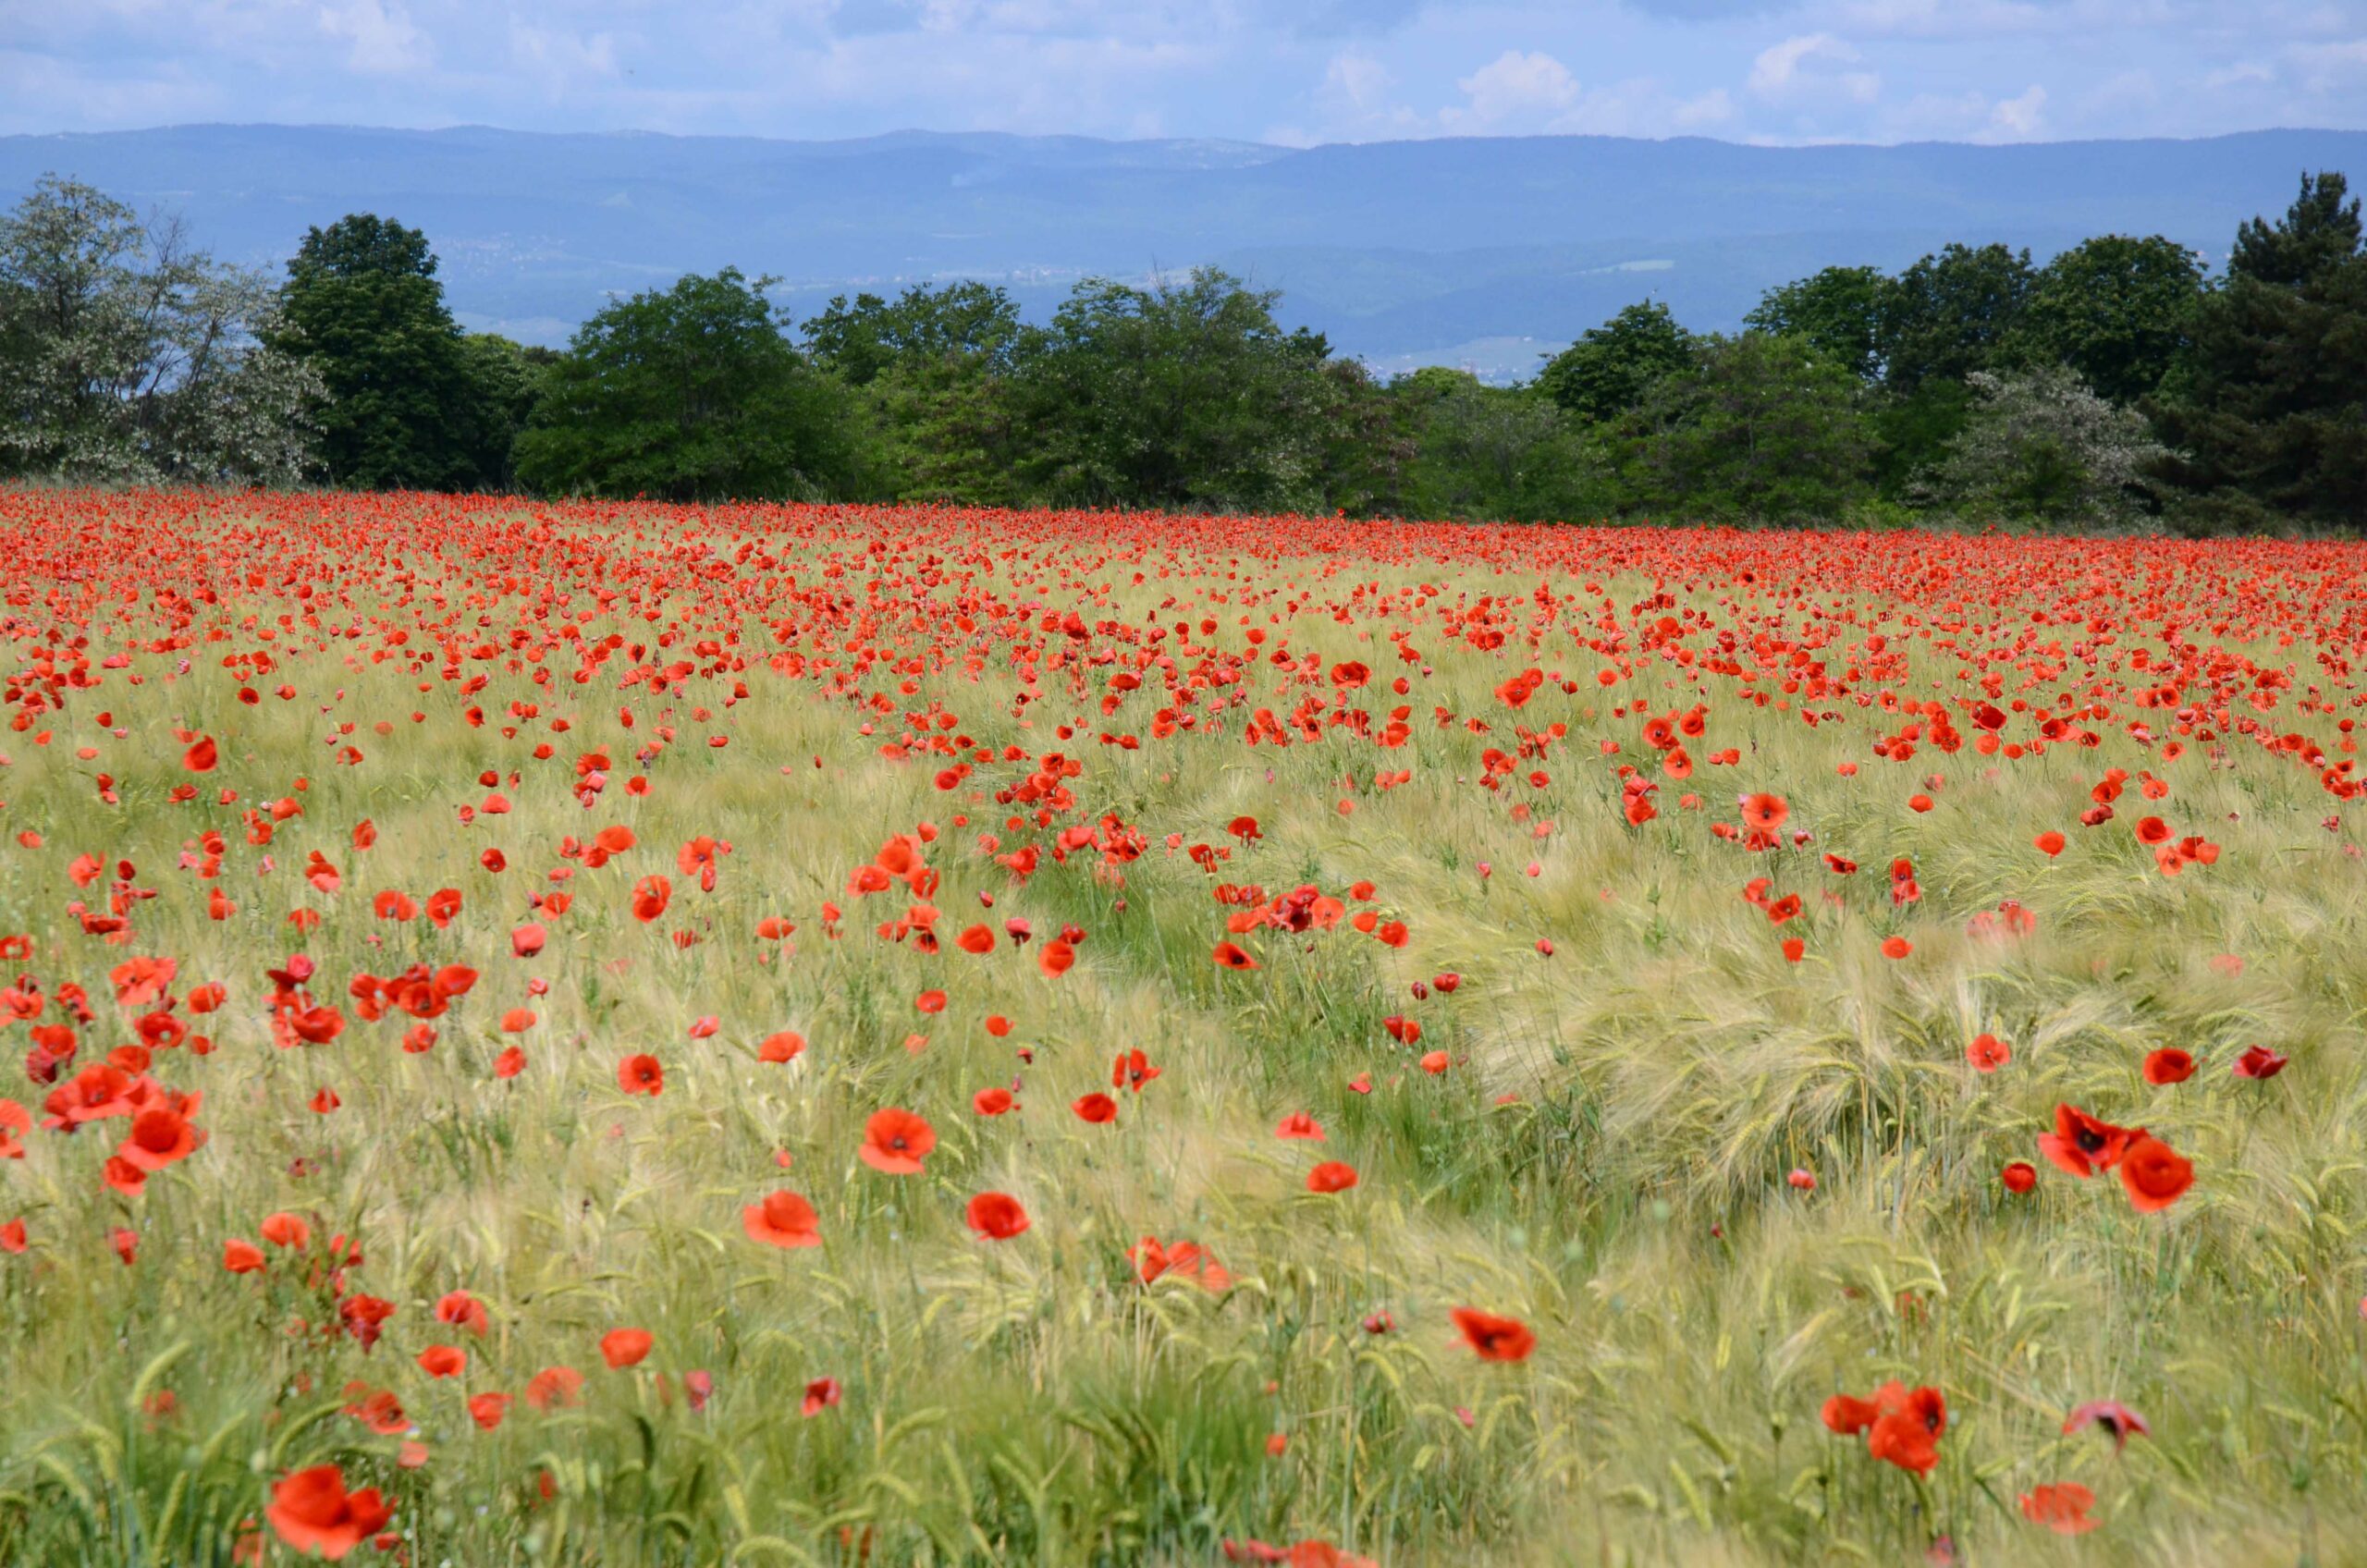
[{"x": 2121, "y": 384}]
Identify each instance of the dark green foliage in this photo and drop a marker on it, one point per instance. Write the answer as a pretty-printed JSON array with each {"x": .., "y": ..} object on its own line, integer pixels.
[
  {"x": 2267, "y": 415},
  {"x": 1185, "y": 394},
  {"x": 1953, "y": 314},
  {"x": 1611, "y": 368},
  {"x": 405, "y": 407},
  {"x": 1839, "y": 312},
  {"x": 1491, "y": 452},
  {"x": 1912, "y": 433},
  {"x": 2115, "y": 308},
  {"x": 692, "y": 393},
  {"x": 961, "y": 322},
  {"x": 1762, "y": 428}
]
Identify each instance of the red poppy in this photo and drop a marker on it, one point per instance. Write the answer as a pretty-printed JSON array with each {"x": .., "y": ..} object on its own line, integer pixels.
[
  {"x": 1332, "y": 1176},
  {"x": 1494, "y": 1338},
  {"x": 641, "y": 1075},
  {"x": 621, "y": 1348},
  {"x": 1095, "y": 1107},
  {"x": 2083, "y": 1146},
  {"x": 820, "y": 1394},
  {"x": 1299, "y": 1125},
  {"x": 313, "y": 1513},
  {"x": 2062, "y": 1507},
  {"x": 554, "y": 1386},
  {"x": 2155, "y": 1174},
  {"x": 443, "y": 1361},
  {"x": 1231, "y": 955},
  {"x": 2020, "y": 1177},
  {"x": 784, "y": 1047},
  {"x": 2113, "y": 1417},
  {"x": 997, "y": 1216},
  {"x": 2259, "y": 1061},
  {"x": 2168, "y": 1065},
  {"x": 895, "y": 1142},
  {"x": 1988, "y": 1053},
  {"x": 783, "y": 1219}
]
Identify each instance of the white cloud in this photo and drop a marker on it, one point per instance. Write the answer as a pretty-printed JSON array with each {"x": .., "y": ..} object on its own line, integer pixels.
[
  {"x": 1515, "y": 90},
  {"x": 1811, "y": 63},
  {"x": 2017, "y": 118},
  {"x": 385, "y": 40}
]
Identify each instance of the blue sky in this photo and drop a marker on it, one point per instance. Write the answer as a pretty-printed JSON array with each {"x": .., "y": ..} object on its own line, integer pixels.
[{"x": 1297, "y": 71}]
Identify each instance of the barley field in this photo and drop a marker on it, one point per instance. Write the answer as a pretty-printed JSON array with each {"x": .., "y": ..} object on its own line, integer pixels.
[{"x": 605, "y": 1034}]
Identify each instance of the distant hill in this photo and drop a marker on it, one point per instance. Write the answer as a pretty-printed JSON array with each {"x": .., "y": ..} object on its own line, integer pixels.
[{"x": 1484, "y": 251}]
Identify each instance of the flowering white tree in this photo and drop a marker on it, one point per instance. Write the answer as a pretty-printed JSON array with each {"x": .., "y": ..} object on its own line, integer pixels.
[
  {"x": 2040, "y": 444},
  {"x": 129, "y": 356}
]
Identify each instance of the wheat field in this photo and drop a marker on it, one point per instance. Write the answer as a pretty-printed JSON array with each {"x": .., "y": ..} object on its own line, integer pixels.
[{"x": 335, "y": 831}]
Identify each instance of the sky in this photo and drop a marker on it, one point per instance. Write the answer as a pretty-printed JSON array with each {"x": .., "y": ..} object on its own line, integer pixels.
[{"x": 1296, "y": 72}]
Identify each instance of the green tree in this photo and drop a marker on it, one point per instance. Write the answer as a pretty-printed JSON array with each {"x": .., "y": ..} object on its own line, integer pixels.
[
  {"x": 963, "y": 321},
  {"x": 363, "y": 305},
  {"x": 1184, "y": 394},
  {"x": 1492, "y": 452},
  {"x": 1838, "y": 312},
  {"x": 1953, "y": 314},
  {"x": 1611, "y": 368},
  {"x": 507, "y": 377},
  {"x": 128, "y": 355},
  {"x": 2116, "y": 309},
  {"x": 2266, "y": 413},
  {"x": 692, "y": 393},
  {"x": 2042, "y": 446},
  {"x": 1762, "y": 427}
]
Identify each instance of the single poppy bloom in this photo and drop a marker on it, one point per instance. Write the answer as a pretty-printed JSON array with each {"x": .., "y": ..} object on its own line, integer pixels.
[
  {"x": 1847, "y": 1415},
  {"x": 1764, "y": 813},
  {"x": 554, "y": 1386},
  {"x": 1332, "y": 1176},
  {"x": 621, "y": 1348},
  {"x": 1896, "y": 946},
  {"x": 1908, "y": 1435},
  {"x": 785, "y": 1046},
  {"x": 285, "y": 1229},
  {"x": 2113, "y": 1417},
  {"x": 1230, "y": 955},
  {"x": 895, "y": 1142},
  {"x": 2259, "y": 1061},
  {"x": 783, "y": 1219},
  {"x": 991, "y": 1102},
  {"x": 2155, "y": 1174},
  {"x": 820, "y": 1394},
  {"x": 2168, "y": 1065},
  {"x": 2062, "y": 1508},
  {"x": 443, "y": 1361},
  {"x": 641, "y": 1075},
  {"x": 2050, "y": 843},
  {"x": 2020, "y": 1177},
  {"x": 462, "y": 1311},
  {"x": 1299, "y": 1125},
  {"x": 313, "y": 1513},
  {"x": 161, "y": 1135},
  {"x": 2083, "y": 1146},
  {"x": 1802, "y": 1180},
  {"x": 1988, "y": 1053},
  {"x": 930, "y": 1001},
  {"x": 241, "y": 1256},
  {"x": 1494, "y": 1338},
  {"x": 1095, "y": 1107},
  {"x": 1434, "y": 1062},
  {"x": 997, "y": 1216},
  {"x": 488, "y": 1410}
]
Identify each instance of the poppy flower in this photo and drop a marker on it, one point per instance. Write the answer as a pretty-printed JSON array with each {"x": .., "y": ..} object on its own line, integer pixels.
[
  {"x": 160, "y": 1136},
  {"x": 443, "y": 1361},
  {"x": 2168, "y": 1065},
  {"x": 991, "y": 1102},
  {"x": 285, "y": 1229},
  {"x": 783, "y": 1219},
  {"x": 784, "y": 1047},
  {"x": 312, "y": 1513},
  {"x": 1095, "y": 1107},
  {"x": 2083, "y": 1146},
  {"x": 1907, "y": 1435},
  {"x": 462, "y": 1311},
  {"x": 1988, "y": 1053},
  {"x": 1332, "y": 1176},
  {"x": 895, "y": 1142},
  {"x": 2113, "y": 1417},
  {"x": 2260, "y": 1062},
  {"x": 1231, "y": 955},
  {"x": 1494, "y": 1338},
  {"x": 1764, "y": 812},
  {"x": 241, "y": 1256},
  {"x": 2050, "y": 843},
  {"x": 1896, "y": 946},
  {"x": 488, "y": 1410},
  {"x": 2062, "y": 1507},
  {"x": 553, "y": 1387},
  {"x": 820, "y": 1394},
  {"x": 641, "y": 1075},
  {"x": 621, "y": 1348},
  {"x": 2155, "y": 1174},
  {"x": 1299, "y": 1125},
  {"x": 997, "y": 1216},
  {"x": 2020, "y": 1177}
]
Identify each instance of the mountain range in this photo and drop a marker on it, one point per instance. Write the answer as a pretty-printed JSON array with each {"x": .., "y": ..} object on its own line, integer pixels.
[{"x": 1484, "y": 253}]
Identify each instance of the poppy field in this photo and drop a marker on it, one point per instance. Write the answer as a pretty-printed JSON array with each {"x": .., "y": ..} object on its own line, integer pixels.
[{"x": 619, "y": 1034}]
